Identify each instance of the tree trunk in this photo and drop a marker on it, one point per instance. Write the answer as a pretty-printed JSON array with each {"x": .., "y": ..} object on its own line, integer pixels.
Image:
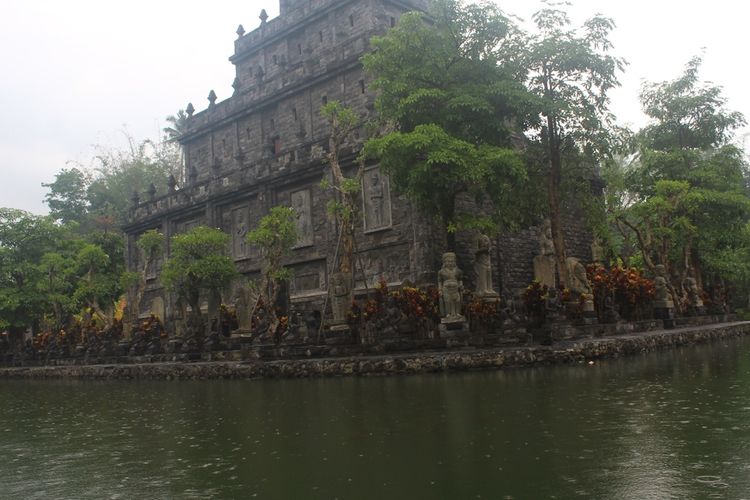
[{"x": 554, "y": 196}]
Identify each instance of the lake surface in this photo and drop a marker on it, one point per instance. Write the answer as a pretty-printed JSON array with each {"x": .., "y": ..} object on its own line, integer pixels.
[{"x": 666, "y": 425}]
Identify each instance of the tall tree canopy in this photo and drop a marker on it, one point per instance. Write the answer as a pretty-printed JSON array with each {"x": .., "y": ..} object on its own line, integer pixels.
[
  {"x": 571, "y": 73},
  {"x": 99, "y": 197},
  {"x": 198, "y": 262},
  {"x": 67, "y": 197},
  {"x": 684, "y": 194},
  {"x": 451, "y": 97}
]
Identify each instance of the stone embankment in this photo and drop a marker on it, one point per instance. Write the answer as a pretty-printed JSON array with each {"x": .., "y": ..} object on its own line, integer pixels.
[{"x": 440, "y": 361}]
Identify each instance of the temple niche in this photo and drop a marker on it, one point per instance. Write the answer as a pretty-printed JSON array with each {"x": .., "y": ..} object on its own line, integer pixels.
[
  {"x": 239, "y": 232},
  {"x": 376, "y": 196},
  {"x": 303, "y": 213}
]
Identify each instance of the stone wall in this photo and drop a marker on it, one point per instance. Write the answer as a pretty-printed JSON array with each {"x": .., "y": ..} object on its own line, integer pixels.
[
  {"x": 515, "y": 252},
  {"x": 566, "y": 352}
]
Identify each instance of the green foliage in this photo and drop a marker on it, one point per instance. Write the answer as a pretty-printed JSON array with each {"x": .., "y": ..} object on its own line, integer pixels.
[
  {"x": 452, "y": 93},
  {"x": 119, "y": 173},
  {"x": 571, "y": 73},
  {"x": 198, "y": 262},
  {"x": 101, "y": 196},
  {"x": 344, "y": 117},
  {"x": 683, "y": 193},
  {"x": 98, "y": 286},
  {"x": 151, "y": 243},
  {"x": 24, "y": 240},
  {"x": 432, "y": 168},
  {"x": 129, "y": 279},
  {"x": 47, "y": 274},
  {"x": 275, "y": 235},
  {"x": 177, "y": 126},
  {"x": 687, "y": 113},
  {"x": 66, "y": 199}
]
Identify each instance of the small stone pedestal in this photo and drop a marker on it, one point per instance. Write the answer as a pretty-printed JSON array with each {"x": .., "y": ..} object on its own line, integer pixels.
[
  {"x": 455, "y": 331},
  {"x": 489, "y": 297},
  {"x": 123, "y": 347},
  {"x": 664, "y": 310},
  {"x": 338, "y": 333},
  {"x": 174, "y": 346},
  {"x": 588, "y": 312}
]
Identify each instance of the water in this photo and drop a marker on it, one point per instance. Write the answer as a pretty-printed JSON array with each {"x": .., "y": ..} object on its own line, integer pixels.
[{"x": 667, "y": 425}]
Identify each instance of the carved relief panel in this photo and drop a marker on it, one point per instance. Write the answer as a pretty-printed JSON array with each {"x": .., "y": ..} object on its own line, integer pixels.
[
  {"x": 239, "y": 232},
  {"x": 376, "y": 198},
  {"x": 300, "y": 201}
]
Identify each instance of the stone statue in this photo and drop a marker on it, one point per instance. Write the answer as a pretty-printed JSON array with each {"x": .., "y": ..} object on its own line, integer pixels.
[
  {"x": 610, "y": 314},
  {"x": 450, "y": 283},
  {"x": 693, "y": 293},
  {"x": 545, "y": 266},
  {"x": 661, "y": 297},
  {"x": 546, "y": 244},
  {"x": 340, "y": 297},
  {"x": 242, "y": 310},
  {"x": 578, "y": 282},
  {"x": 483, "y": 266}
]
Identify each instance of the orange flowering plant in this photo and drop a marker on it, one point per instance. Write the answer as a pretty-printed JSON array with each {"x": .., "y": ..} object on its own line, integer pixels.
[{"x": 631, "y": 293}]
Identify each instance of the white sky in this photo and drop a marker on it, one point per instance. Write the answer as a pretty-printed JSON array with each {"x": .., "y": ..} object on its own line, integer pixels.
[{"x": 77, "y": 73}]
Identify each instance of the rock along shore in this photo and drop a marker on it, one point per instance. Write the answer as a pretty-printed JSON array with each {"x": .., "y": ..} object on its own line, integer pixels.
[{"x": 409, "y": 363}]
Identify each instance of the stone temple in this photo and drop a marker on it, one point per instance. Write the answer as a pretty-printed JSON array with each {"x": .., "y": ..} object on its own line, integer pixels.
[{"x": 264, "y": 146}]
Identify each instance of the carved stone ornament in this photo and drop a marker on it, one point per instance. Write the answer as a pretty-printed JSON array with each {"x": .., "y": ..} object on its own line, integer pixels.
[
  {"x": 376, "y": 199},
  {"x": 450, "y": 283}
]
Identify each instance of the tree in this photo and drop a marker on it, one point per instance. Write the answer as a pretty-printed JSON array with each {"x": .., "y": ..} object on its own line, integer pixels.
[
  {"x": 198, "y": 262},
  {"x": 66, "y": 199},
  {"x": 151, "y": 247},
  {"x": 275, "y": 235},
  {"x": 571, "y": 75},
  {"x": 177, "y": 126},
  {"x": 343, "y": 206},
  {"x": 24, "y": 240},
  {"x": 451, "y": 97},
  {"x": 120, "y": 173},
  {"x": 100, "y": 197},
  {"x": 687, "y": 114},
  {"x": 57, "y": 285},
  {"x": 686, "y": 185}
]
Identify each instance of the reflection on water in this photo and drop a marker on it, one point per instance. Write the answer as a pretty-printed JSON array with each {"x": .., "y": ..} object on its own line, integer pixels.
[{"x": 667, "y": 425}]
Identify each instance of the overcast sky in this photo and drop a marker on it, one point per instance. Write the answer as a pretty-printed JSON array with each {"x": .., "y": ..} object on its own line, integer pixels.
[{"x": 77, "y": 73}]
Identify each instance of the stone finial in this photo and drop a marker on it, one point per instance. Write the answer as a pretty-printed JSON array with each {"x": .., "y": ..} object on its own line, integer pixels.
[
  {"x": 236, "y": 84},
  {"x": 263, "y": 16},
  {"x": 135, "y": 198},
  {"x": 211, "y": 98},
  {"x": 190, "y": 109},
  {"x": 240, "y": 31},
  {"x": 172, "y": 183},
  {"x": 151, "y": 191}
]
